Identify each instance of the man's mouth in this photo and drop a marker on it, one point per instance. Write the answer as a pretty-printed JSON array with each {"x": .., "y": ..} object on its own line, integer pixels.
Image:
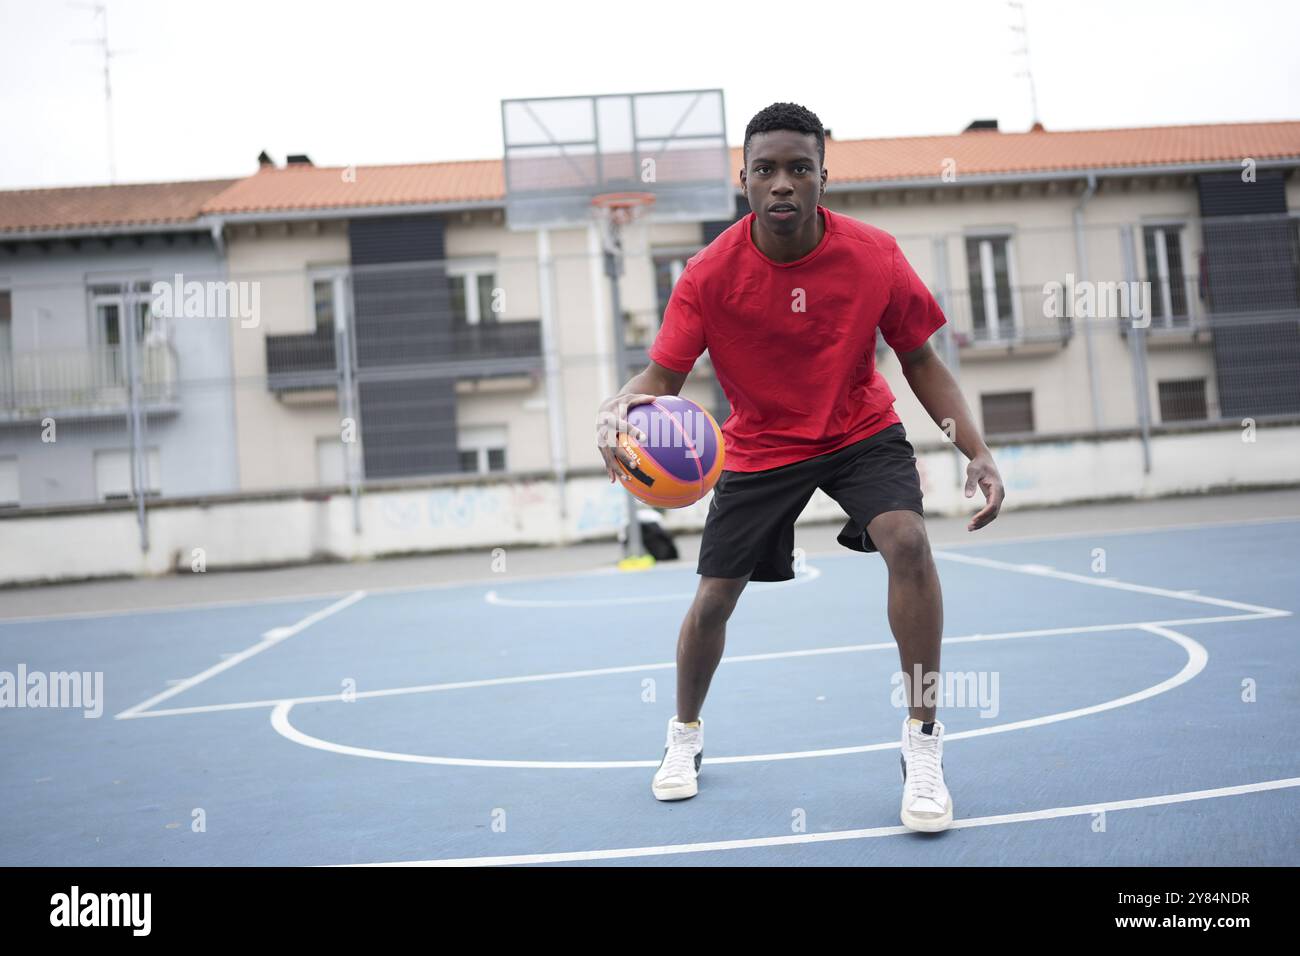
[{"x": 781, "y": 210}]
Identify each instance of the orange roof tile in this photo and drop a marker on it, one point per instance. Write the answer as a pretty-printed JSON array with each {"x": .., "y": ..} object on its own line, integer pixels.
[
  {"x": 863, "y": 160},
  {"x": 91, "y": 207},
  {"x": 304, "y": 188},
  {"x": 992, "y": 153},
  {"x": 273, "y": 189}
]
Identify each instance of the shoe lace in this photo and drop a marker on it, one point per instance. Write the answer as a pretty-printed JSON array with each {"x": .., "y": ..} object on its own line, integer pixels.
[
  {"x": 681, "y": 756},
  {"x": 923, "y": 765}
]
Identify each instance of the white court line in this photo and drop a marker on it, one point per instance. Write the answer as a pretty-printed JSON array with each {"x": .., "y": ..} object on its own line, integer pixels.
[
  {"x": 1039, "y": 570},
  {"x": 668, "y": 665},
  {"x": 1055, "y": 813},
  {"x": 1196, "y": 658},
  {"x": 272, "y": 637},
  {"x": 757, "y": 587},
  {"x": 559, "y": 575}
]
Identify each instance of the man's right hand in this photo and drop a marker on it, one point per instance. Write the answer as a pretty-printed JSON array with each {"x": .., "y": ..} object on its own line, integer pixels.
[{"x": 611, "y": 420}]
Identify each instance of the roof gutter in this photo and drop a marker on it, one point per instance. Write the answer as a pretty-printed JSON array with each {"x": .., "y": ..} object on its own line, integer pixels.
[
  {"x": 1050, "y": 175},
  {"x": 351, "y": 212},
  {"x": 94, "y": 232}
]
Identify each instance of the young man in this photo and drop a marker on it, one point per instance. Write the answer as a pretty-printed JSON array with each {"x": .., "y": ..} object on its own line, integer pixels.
[{"x": 789, "y": 301}]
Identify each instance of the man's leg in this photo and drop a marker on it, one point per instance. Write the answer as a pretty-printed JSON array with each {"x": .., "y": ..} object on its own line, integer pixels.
[
  {"x": 702, "y": 638},
  {"x": 915, "y": 601}
]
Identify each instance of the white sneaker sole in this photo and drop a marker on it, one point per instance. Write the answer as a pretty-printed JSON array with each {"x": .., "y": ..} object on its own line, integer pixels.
[
  {"x": 923, "y": 824},
  {"x": 679, "y": 792},
  {"x": 926, "y": 824}
]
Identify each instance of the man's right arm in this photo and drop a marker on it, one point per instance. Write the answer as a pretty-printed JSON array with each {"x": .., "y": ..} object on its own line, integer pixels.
[
  {"x": 655, "y": 379},
  {"x": 647, "y": 385}
]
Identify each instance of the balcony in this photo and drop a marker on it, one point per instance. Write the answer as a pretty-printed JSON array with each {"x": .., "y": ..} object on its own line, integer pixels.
[
  {"x": 300, "y": 362},
  {"x": 84, "y": 383},
  {"x": 484, "y": 350},
  {"x": 1019, "y": 321}
]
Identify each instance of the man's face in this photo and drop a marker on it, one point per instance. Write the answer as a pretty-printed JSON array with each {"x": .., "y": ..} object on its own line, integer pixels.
[{"x": 783, "y": 180}]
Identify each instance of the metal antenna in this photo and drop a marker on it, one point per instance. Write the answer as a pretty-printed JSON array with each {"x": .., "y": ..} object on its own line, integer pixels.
[
  {"x": 1028, "y": 71},
  {"x": 101, "y": 12}
]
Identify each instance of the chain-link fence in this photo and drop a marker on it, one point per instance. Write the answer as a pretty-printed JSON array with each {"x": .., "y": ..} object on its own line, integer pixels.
[{"x": 286, "y": 368}]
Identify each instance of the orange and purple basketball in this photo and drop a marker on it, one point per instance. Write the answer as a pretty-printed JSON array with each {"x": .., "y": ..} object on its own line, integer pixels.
[{"x": 682, "y": 456}]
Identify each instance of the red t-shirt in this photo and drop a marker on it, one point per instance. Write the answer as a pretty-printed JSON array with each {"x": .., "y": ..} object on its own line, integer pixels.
[{"x": 794, "y": 344}]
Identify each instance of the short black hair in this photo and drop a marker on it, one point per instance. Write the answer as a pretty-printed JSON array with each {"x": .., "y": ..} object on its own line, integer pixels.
[{"x": 789, "y": 116}]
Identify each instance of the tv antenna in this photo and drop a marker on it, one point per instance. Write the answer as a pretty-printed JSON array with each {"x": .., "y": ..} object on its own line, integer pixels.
[
  {"x": 1028, "y": 71},
  {"x": 101, "y": 13}
]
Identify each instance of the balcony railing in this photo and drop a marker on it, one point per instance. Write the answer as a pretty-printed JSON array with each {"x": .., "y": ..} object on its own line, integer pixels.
[
  {"x": 483, "y": 350},
  {"x": 83, "y": 381},
  {"x": 300, "y": 361},
  {"x": 1023, "y": 317}
]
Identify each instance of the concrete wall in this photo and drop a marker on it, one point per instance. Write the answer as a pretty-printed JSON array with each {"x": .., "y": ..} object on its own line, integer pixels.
[{"x": 524, "y": 510}]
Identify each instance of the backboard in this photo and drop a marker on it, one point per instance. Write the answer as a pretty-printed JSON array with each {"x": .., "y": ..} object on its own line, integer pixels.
[{"x": 561, "y": 152}]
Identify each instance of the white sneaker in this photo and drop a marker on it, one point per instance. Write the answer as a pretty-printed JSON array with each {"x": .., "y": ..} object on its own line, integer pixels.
[
  {"x": 676, "y": 778},
  {"x": 927, "y": 805}
]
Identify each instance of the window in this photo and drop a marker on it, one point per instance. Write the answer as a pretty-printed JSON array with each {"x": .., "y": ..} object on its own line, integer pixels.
[
  {"x": 473, "y": 292},
  {"x": 328, "y": 298},
  {"x": 1008, "y": 413},
  {"x": 6, "y": 341},
  {"x": 9, "y": 482},
  {"x": 110, "y": 301},
  {"x": 990, "y": 278},
  {"x": 323, "y": 298},
  {"x": 6, "y": 323},
  {"x": 482, "y": 448},
  {"x": 668, "y": 269},
  {"x": 1165, "y": 272},
  {"x": 1183, "y": 400},
  {"x": 113, "y": 474}
]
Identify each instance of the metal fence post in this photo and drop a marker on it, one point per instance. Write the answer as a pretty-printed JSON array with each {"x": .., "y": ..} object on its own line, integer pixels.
[
  {"x": 135, "y": 415},
  {"x": 951, "y": 356},
  {"x": 1137, "y": 343},
  {"x": 344, "y": 360}
]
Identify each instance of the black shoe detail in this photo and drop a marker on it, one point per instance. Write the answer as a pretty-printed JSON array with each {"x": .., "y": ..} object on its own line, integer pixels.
[
  {"x": 902, "y": 763},
  {"x": 699, "y": 758}
]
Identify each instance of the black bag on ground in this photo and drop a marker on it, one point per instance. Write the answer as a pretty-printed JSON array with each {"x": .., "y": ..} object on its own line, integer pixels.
[{"x": 656, "y": 540}]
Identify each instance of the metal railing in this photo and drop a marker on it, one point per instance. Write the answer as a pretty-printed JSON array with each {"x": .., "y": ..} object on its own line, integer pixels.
[
  {"x": 1008, "y": 318},
  {"x": 398, "y": 385},
  {"x": 83, "y": 381}
]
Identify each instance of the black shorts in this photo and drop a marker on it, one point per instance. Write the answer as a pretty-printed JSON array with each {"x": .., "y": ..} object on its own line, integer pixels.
[{"x": 750, "y": 525}]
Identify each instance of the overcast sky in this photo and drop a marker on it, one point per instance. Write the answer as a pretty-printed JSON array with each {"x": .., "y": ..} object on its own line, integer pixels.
[{"x": 200, "y": 88}]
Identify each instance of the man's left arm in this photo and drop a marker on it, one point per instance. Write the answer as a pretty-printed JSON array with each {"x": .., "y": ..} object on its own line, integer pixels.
[{"x": 937, "y": 391}]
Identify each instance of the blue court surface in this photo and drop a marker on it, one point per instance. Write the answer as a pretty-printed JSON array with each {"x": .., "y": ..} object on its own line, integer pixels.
[{"x": 1140, "y": 714}]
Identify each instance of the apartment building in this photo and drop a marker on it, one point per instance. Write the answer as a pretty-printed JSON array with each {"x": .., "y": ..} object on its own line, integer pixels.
[
  {"x": 405, "y": 331},
  {"x": 77, "y": 334}
]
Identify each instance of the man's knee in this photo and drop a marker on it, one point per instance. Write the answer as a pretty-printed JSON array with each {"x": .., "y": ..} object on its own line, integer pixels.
[
  {"x": 716, "y": 599},
  {"x": 904, "y": 544}
]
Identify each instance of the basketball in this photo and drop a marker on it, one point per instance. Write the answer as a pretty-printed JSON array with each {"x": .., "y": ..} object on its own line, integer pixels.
[{"x": 682, "y": 456}]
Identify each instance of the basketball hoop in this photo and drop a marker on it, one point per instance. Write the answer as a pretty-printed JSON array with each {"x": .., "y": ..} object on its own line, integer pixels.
[
  {"x": 613, "y": 211},
  {"x": 622, "y": 207}
]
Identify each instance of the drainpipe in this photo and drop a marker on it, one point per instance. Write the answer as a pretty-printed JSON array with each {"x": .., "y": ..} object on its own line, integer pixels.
[
  {"x": 223, "y": 273},
  {"x": 552, "y": 370},
  {"x": 1081, "y": 254}
]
